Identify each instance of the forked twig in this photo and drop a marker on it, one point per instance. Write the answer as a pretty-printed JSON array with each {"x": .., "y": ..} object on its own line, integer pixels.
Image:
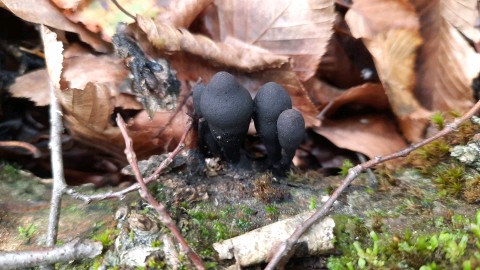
[
  {"x": 163, "y": 214},
  {"x": 121, "y": 193},
  {"x": 283, "y": 252}
]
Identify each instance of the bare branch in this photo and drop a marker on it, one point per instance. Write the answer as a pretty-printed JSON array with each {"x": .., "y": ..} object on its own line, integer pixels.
[
  {"x": 56, "y": 129},
  {"x": 283, "y": 252},
  {"x": 163, "y": 214},
  {"x": 121, "y": 193},
  {"x": 73, "y": 250}
]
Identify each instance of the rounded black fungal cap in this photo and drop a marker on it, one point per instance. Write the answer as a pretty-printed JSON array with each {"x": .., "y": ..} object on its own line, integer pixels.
[
  {"x": 291, "y": 131},
  {"x": 197, "y": 91},
  {"x": 271, "y": 100},
  {"x": 227, "y": 107}
]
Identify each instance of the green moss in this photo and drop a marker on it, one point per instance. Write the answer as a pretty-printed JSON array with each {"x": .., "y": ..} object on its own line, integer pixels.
[
  {"x": 456, "y": 245},
  {"x": 27, "y": 232},
  {"x": 106, "y": 237},
  {"x": 347, "y": 165}
]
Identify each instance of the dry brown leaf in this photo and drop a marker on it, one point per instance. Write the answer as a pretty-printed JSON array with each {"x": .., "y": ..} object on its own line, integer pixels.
[
  {"x": 392, "y": 37},
  {"x": 365, "y": 95},
  {"x": 79, "y": 69},
  {"x": 300, "y": 29},
  {"x": 92, "y": 106},
  {"x": 446, "y": 63},
  {"x": 34, "y": 86},
  {"x": 102, "y": 16},
  {"x": 367, "y": 18},
  {"x": 44, "y": 12},
  {"x": 170, "y": 39},
  {"x": 394, "y": 56},
  {"x": 181, "y": 13},
  {"x": 462, "y": 14},
  {"x": 372, "y": 135}
]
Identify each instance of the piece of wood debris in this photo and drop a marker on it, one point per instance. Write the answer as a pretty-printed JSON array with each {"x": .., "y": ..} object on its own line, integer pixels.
[{"x": 253, "y": 247}]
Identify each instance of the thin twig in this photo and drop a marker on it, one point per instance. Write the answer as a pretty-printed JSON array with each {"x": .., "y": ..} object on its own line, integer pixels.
[
  {"x": 283, "y": 252},
  {"x": 163, "y": 214},
  {"x": 121, "y": 193},
  {"x": 56, "y": 129},
  {"x": 73, "y": 250},
  {"x": 30, "y": 147},
  {"x": 123, "y": 10}
]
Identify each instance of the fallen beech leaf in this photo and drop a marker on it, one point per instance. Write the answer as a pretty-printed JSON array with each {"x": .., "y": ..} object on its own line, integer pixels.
[
  {"x": 393, "y": 46},
  {"x": 300, "y": 29},
  {"x": 91, "y": 106},
  {"x": 367, "y": 18},
  {"x": 102, "y": 16},
  {"x": 365, "y": 95},
  {"x": 463, "y": 15},
  {"x": 446, "y": 63},
  {"x": 170, "y": 39},
  {"x": 78, "y": 71},
  {"x": 44, "y": 12},
  {"x": 372, "y": 135},
  {"x": 181, "y": 13},
  {"x": 34, "y": 86},
  {"x": 105, "y": 69},
  {"x": 394, "y": 56}
]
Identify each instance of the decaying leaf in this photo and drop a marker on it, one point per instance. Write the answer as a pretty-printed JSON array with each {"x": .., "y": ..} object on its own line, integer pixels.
[
  {"x": 372, "y": 135},
  {"x": 78, "y": 70},
  {"x": 34, "y": 86},
  {"x": 462, "y": 14},
  {"x": 299, "y": 29},
  {"x": 102, "y": 16},
  {"x": 44, "y": 12},
  {"x": 393, "y": 46},
  {"x": 446, "y": 62},
  {"x": 91, "y": 106},
  {"x": 183, "y": 13},
  {"x": 170, "y": 39}
]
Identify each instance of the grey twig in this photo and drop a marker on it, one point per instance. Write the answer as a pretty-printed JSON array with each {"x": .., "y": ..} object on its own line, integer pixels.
[
  {"x": 56, "y": 129},
  {"x": 121, "y": 193},
  {"x": 163, "y": 214},
  {"x": 282, "y": 253},
  {"x": 71, "y": 251}
]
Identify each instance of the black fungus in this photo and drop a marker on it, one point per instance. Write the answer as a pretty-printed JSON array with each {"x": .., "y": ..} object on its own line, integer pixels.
[
  {"x": 271, "y": 100},
  {"x": 291, "y": 132},
  {"x": 227, "y": 108}
]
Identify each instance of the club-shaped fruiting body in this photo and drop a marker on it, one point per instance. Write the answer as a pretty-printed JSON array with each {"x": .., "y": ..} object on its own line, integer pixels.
[
  {"x": 291, "y": 131},
  {"x": 227, "y": 108},
  {"x": 271, "y": 100}
]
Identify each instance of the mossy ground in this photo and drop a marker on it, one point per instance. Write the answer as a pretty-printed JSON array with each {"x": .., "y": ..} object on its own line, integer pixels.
[{"x": 421, "y": 214}]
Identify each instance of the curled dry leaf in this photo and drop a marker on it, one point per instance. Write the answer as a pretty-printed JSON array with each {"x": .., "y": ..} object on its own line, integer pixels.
[
  {"x": 34, "y": 86},
  {"x": 170, "y": 39},
  {"x": 462, "y": 14},
  {"x": 365, "y": 95},
  {"x": 183, "y": 13},
  {"x": 355, "y": 132},
  {"x": 103, "y": 16},
  {"x": 446, "y": 62},
  {"x": 393, "y": 46},
  {"x": 299, "y": 29},
  {"x": 91, "y": 106},
  {"x": 78, "y": 70},
  {"x": 44, "y": 12}
]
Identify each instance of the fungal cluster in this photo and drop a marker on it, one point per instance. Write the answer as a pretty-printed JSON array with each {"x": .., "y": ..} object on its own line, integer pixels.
[{"x": 225, "y": 109}]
